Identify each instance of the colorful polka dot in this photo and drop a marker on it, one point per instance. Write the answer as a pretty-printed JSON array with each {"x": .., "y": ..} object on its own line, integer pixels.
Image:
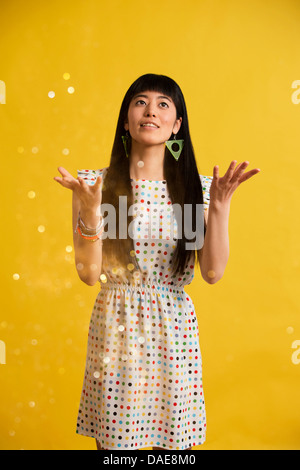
[{"x": 143, "y": 375}]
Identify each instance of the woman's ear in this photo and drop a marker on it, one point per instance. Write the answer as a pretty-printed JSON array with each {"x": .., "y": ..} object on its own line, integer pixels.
[{"x": 177, "y": 125}]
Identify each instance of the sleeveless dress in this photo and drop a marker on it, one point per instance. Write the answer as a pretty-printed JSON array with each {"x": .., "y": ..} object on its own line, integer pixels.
[{"x": 143, "y": 377}]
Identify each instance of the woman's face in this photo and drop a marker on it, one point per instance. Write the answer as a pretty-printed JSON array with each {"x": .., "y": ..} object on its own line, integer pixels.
[{"x": 157, "y": 108}]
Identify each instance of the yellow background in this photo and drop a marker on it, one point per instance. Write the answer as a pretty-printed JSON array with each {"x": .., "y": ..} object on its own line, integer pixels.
[{"x": 235, "y": 62}]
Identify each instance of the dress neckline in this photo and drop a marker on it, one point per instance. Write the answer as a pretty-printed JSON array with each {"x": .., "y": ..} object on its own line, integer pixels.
[{"x": 154, "y": 181}]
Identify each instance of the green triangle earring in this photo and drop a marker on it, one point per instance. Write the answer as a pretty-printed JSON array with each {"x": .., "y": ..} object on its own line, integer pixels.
[
  {"x": 171, "y": 142},
  {"x": 125, "y": 139}
]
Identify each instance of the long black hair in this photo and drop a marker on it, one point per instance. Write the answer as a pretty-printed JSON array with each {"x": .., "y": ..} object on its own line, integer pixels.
[{"x": 182, "y": 177}]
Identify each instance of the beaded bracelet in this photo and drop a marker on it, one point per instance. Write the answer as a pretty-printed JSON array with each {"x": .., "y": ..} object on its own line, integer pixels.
[
  {"x": 87, "y": 229},
  {"x": 90, "y": 237},
  {"x": 91, "y": 234}
]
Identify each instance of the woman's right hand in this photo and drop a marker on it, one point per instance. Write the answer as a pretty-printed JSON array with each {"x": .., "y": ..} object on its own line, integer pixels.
[{"x": 90, "y": 197}]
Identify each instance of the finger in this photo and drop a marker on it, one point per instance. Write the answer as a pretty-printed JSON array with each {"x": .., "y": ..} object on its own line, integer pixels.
[
  {"x": 95, "y": 186},
  {"x": 98, "y": 180},
  {"x": 58, "y": 179},
  {"x": 66, "y": 177},
  {"x": 239, "y": 170},
  {"x": 249, "y": 174},
  {"x": 216, "y": 171},
  {"x": 64, "y": 183},
  {"x": 230, "y": 170},
  {"x": 81, "y": 181},
  {"x": 64, "y": 172}
]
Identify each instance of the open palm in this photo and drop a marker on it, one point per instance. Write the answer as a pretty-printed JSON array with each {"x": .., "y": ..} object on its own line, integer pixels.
[
  {"x": 222, "y": 188},
  {"x": 89, "y": 196}
]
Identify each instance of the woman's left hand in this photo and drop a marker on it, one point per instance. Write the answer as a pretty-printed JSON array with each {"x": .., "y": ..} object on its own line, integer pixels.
[{"x": 222, "y": 188}]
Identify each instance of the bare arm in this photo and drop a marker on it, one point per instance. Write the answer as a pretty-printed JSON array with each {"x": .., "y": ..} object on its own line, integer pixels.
[
  {"x": 215, "y": 251},
  {"x": 88, "y": 255}
]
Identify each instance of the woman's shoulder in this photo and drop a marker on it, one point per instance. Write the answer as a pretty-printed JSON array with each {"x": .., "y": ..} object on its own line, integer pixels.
[
  {"x": 206, "y": 182},
  {"x": 206, "y": 179},
  {"x": 90, "y": 176}
]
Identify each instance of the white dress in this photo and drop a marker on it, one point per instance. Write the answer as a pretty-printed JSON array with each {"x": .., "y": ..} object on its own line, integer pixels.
[{"x": 143, "y": 377}]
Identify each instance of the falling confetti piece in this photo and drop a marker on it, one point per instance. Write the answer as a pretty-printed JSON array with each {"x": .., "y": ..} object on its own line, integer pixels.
[{"x": 211, "y": 274}]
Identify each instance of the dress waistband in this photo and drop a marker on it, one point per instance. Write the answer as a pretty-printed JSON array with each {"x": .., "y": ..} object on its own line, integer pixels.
[{"x": 141, "y": 287}]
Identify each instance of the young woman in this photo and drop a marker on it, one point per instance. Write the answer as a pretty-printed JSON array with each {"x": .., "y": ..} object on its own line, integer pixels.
[{"x": 143, "y": 377}]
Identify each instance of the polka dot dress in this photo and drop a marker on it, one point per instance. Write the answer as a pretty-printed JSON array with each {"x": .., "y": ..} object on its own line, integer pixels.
[{"x": 143, "y": 377}]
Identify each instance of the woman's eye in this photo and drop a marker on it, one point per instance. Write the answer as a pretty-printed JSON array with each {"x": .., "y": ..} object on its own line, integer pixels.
[{"x": 163, "y": 102}]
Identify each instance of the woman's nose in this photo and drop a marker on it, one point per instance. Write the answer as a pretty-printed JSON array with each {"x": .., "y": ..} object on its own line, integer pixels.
[{"x": 150, "y": 110}]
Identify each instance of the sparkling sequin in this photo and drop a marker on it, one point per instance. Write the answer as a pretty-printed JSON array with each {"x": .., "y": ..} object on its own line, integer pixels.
[{"x": 143, "y": 377}]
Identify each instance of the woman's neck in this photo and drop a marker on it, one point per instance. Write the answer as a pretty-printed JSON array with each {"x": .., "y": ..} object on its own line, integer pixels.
[{"x": 147, "y": 162}]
